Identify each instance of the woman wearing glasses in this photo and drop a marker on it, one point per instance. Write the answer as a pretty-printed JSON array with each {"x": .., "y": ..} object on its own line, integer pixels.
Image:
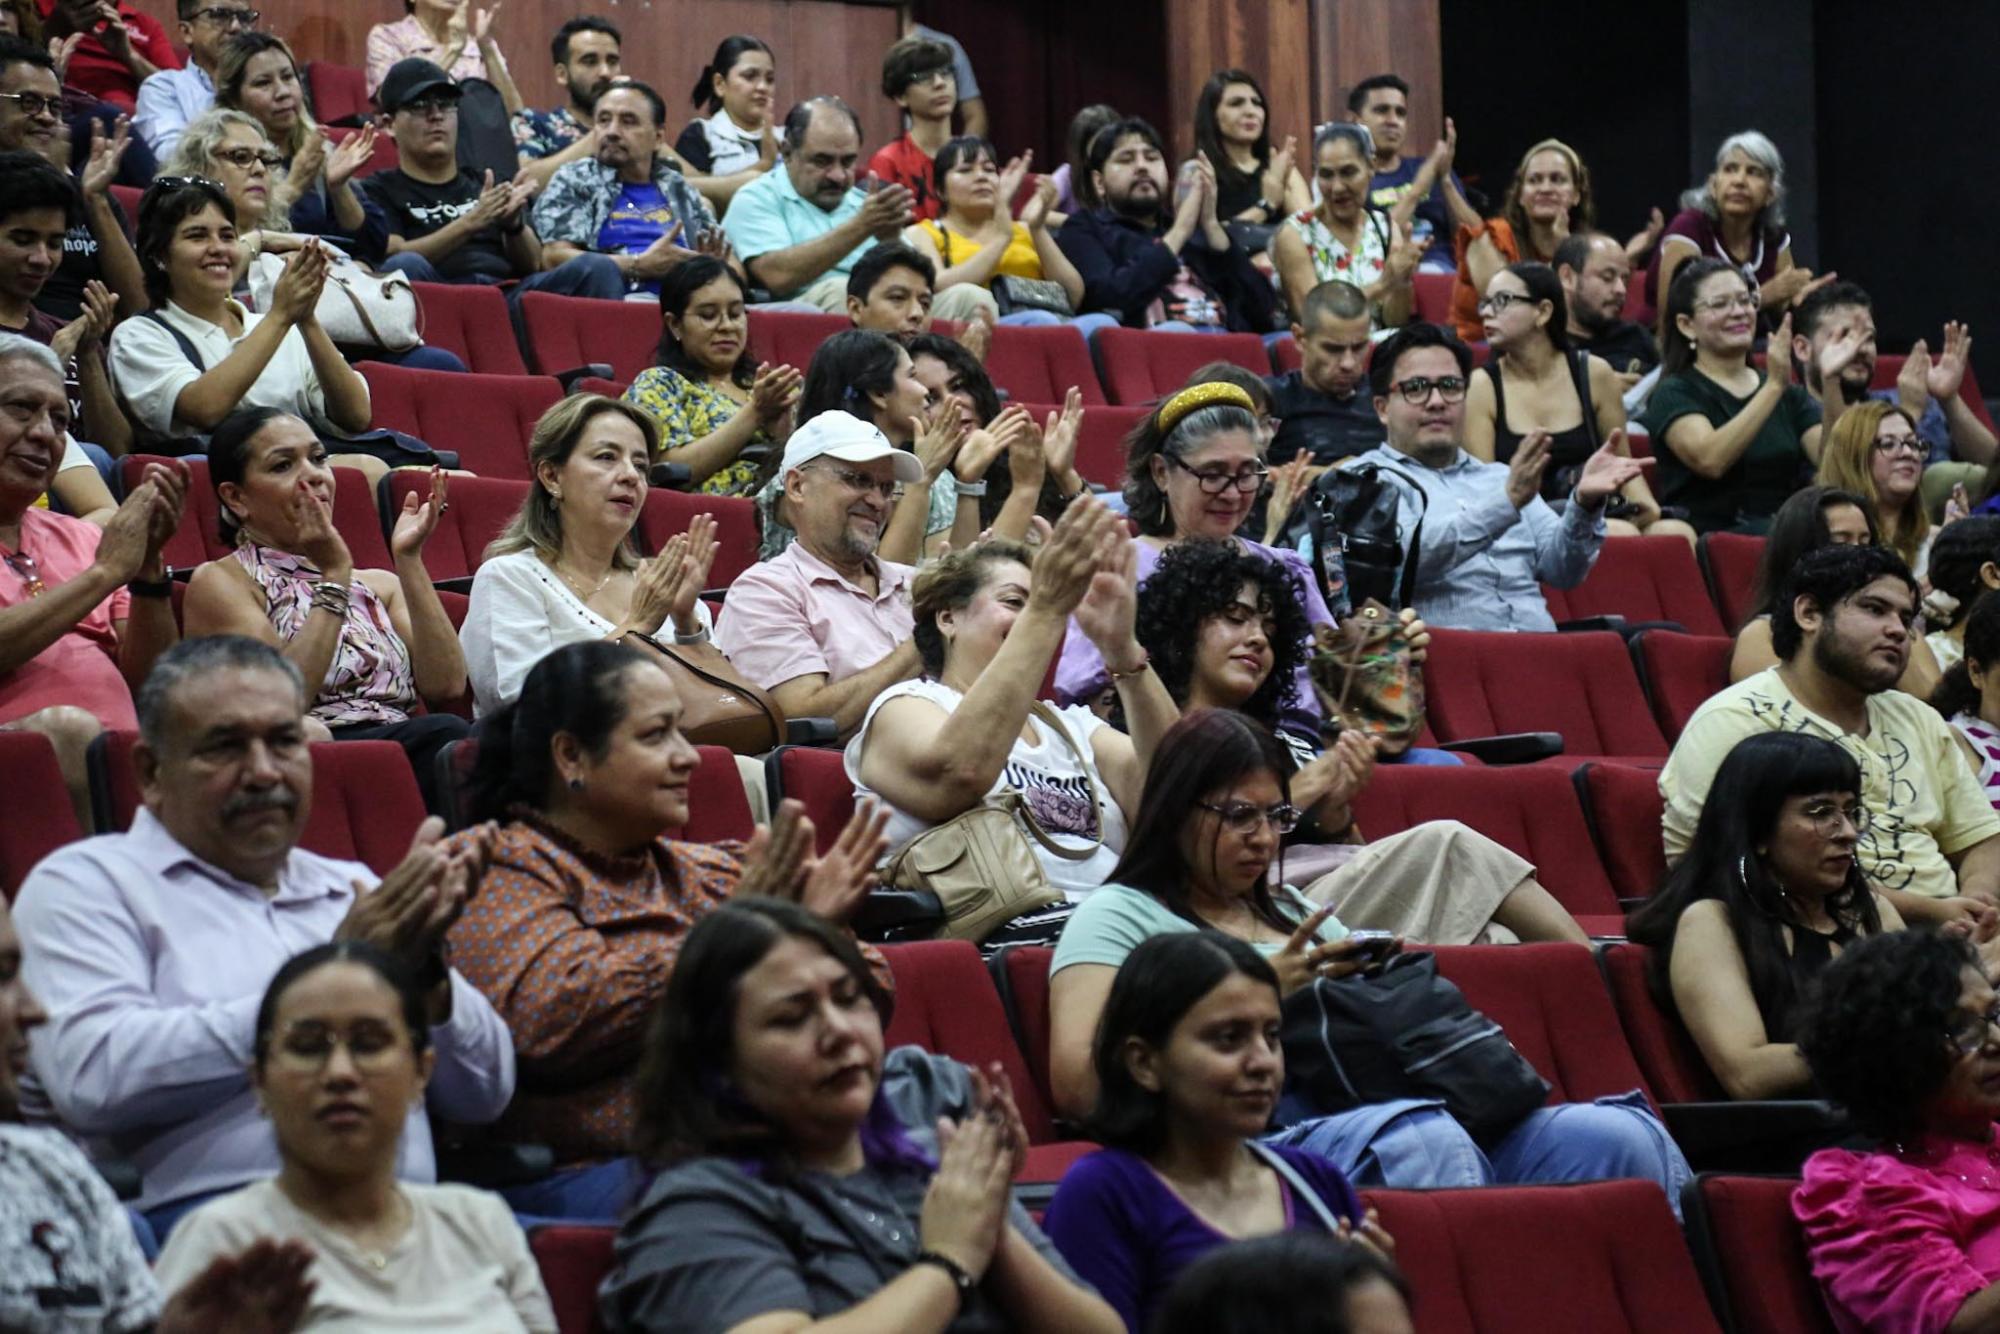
[
  {"x": 1199, "y": 857},
  {"x": 1874, "y": 451},
  {"x": 988, "y": 620},
  {"x": 1733, "y": 441},
  {"x": 1768, "y": 893},
  {"x": 1342, "y": 237},
  {"x": 1538, "y": 382}
]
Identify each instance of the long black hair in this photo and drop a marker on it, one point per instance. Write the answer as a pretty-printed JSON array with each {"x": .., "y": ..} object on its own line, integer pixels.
[
  {"x": 229, "y": 460},
  {"x": 578, "y": 689},
  {"x": 1800, "y": 526},
  {"x": 1208, "y": 133},
  {"x": 1543, "y": 285},
  {"x": 845, "y": 371},
  {"x": 1722, "y": 863},
  {"x": 1253, "y": 1287},
  {"x": 1959, "y": 553},
  {"x": 1956, "y": 694},
  {"x": 677, "y": 289},
  {"x": 705, "y": 97},
  {"x": 1196, "y": 581}
]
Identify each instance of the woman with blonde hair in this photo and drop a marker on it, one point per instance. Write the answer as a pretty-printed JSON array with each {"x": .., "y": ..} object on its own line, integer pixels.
[
  {"x": 1874, "y": 451},
  {"x": 1548, "y": 199},
  {"x": 231, "y": 149}
]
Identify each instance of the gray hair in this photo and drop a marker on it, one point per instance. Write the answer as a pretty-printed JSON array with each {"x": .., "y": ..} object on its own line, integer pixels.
[
  {"x": 1364, "y": 142},
  {"x": 14, "y": 347},
  {"x": 1760, "y": 150},
  {"x": 1145, "y": 500},
  {"x": 199, "y": 657},
  {"x": 194, "y": 155}
]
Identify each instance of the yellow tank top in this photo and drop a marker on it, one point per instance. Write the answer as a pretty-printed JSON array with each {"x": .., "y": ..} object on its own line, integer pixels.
[{"x": 1019, "y": 260}]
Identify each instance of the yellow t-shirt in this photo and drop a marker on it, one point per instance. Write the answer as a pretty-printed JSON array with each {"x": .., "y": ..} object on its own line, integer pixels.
[
  {"x": 1924, "y": 804},
  {"x": 1018, "y": 260}
]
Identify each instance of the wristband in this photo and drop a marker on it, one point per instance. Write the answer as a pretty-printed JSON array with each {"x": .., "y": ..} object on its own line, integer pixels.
[
  {"x": 977, "y": 488},
  {"x": 964, "y": 1282},
  {"x": 1145, "y": 661},
  {"x": 150, "y": 588},
  {"x": 700, "y": 636}
]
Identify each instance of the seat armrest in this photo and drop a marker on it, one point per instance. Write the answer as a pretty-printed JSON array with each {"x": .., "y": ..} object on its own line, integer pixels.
[
  {"x": 899, "y": 914},
  {"x": 494, "y": 1166},
  {"x": 811, "y": 732},
  {"x": 1511, "y": 747},
  {"x": 1772, "y": 1135},
  {"x": 670, "y": 476},
  {"x": 458, "y": 583},
  {"x": 596, "y": 370},
  {"x": 1583, "y": 624}
]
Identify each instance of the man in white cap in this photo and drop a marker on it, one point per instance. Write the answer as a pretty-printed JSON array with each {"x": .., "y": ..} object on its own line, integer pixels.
[{"x": 825, "y": 626}]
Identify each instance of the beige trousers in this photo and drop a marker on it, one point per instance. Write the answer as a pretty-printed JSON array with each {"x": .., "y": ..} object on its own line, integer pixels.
[{"x": 1436, "y": 884}]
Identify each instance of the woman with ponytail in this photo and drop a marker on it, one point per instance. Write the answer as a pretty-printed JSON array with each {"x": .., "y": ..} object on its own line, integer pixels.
[
  {"x": 1969, "y": 696},
  {"x": 738, "y": 141},
  {"x": 1965, "y": 566}
]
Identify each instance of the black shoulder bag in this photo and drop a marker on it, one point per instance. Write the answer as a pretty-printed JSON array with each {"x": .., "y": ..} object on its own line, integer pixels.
[{"x": 1354, "y": 517}]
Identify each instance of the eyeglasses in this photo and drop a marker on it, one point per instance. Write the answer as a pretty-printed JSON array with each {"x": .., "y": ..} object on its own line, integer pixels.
[
  {"x": 194, "y": 182},
  {"x": 1899, "y": 444},
  {"x": 34, "y": 104},
  {"x": 1243, "y": 817},
  {"x": 1497, "y": 303},
  {"x": 1728, "y": 304},
  {"x": 226, "y": 16},
  {"x": 1417, "y": 392},
  {"x": 369, "y": 1046},
  {"x": 23, "y": 565},
  {"x": 244, "y": 158},
  {"x": 1970, "y": 1032},
  {"x": 938, "y": 75},
  {"x": 431, "y": 106},
  {"x": 1831, "y": 820},
  {"x": 861, "y": 481},
  {"x": 1215, "y": 483}
]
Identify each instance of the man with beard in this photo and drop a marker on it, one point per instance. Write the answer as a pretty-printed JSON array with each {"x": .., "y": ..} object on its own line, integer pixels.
[
  {"x": 587, "y": 58},
  {"x": 151, "y": 949},
  {"x": 825, "y": 625},
  {"x": 1382, "y": 105},
  {"x": 447, "y": 225},
  {"x": 627, "y": 200},
  {"x": 1320, "y": 408},
  {"x": 1489, "y": 541},
  {"x": 1152, "y": 265},
  {"x": 1841, "y": 628},
  {"x": 1595, "y": 271}
]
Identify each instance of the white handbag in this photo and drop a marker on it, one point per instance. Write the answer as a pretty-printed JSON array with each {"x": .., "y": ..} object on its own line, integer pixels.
[{"x": 358, "y": 309}]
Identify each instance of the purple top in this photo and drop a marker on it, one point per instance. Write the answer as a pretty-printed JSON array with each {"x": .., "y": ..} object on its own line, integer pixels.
[
  {"x": 1080, "y": 672},
  {"x": 1127, "y": 1234},
  {"x": 1691, "y": 224}
]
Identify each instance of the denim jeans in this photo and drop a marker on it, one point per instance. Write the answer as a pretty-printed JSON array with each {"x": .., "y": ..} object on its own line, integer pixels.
[
  {"x": 584, "y": 275},
  {"x": 600, "y": 1193}
]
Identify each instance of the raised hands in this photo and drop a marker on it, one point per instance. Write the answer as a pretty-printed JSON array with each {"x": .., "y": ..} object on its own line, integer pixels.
[
  {"x": 1778, "y": 366},
  {"x": 1011, "y": 177},
  {"x": 714, "y": 242},
  {"x": 408, "y": 914},
  {"x": 1401, "y": 261},
  {"x": 295, "y": 296},
  {"x": 106, "y": 152},
  {"x": 350, "y": 156},
  {"x": 1609, "y": 468},
  {"x": 939, "y": 439},
  {"x": 482, "y": 23},
  {"x": 1035, "y": 213},
  {"x": 888, "y": 210},
  {"x": 1836, "y": 356},
  {"x": 669, "y": 585},
  {"x": 976, "y": 335},
  {"x": 1942, "y": 379},
  {"x": 262, "y": 1289},
  {"x": 965, "y": 1209},
  {"x": 1446, "y": 149},
  {"x": 1525, "y": 469},
  {"x": 133, "y": 536},
  {"x": 61, "y": 49},
  {"x": 1077, "y": 549},
  {"x": 1336, "y": 775},
  {"x": 1788, "y": 288},
  {"x": 1059, "y": 437},
  {"x": 774, "y": 393},
  {"x": 985, "y": 445},
  {"x": 100, "y": 312},
  {"x": 1110, "y": 610},
  {"x": 316, "y": 537},
  {"x": 1289, "y": 484},
  {"x": 1643, "y": 240},
  {"x": 1278, "y": 172},
  {"x": 780, "y": 862},
  {"x": 418, "y": 521},
  {"x": 308, "y": 162}
]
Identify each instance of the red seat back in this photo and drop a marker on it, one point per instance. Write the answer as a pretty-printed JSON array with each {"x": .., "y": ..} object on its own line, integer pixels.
[
  {"x": 1890, "y": 365},
  {"x": 574, "y": 1258},
  {"x": 337, "y": 91},
  {"x": 1661, "y": 1044},
  {"x": 1680, "y": 672},
  {"x": 1532, "y": 811},
  {"x": 816, "y": 778},
  {"x": 1623, "y": 807},
  {"x": 1581, "y": 685},
  {"x": 1732, "y": 559},
  {"x": 1753, "y": 1253},
  {"x": 1041, "y": 364},
  {"x": 1645, "y": 579},
  {"x": 1285, "y": 355},
  {"x": 666, "y": 513},
  {"x": 945, "y": 1003},
  {"x": 1433, "y": 298},
  {"x": 1143, "y": 366},
  {"x": 487, "y": 419},
  {"x": 479, "y": 508},
  {"x": 1100, "y": 442},
  {"x": 198, "y": 538},
  {"x": 470, "y": 321},
  {"x": 383, "y": 157},
  {"x": 718, "y": 809},
  {"x": 1022, "y": 972},
  {"x": 789, "y": 337},
  {"x": 357, "y": 517},
  {"x": 1605, "y": 1256},
  {"x": 128, "y": 198},
  {"x": 566, "y": 333},
  {"x": 39, "y": 816},
  {"x": 1552, "y": 1002}
]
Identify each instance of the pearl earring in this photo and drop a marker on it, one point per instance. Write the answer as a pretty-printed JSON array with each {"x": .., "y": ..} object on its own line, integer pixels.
[{"x": 576, "y": 785}]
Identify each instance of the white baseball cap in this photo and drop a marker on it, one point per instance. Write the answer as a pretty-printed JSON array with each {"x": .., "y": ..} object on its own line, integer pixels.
[{"x": 844, "y": 436}]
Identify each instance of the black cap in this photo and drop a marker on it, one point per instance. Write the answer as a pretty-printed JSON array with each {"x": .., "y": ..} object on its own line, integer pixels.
[{"x": 408, "y": 80}]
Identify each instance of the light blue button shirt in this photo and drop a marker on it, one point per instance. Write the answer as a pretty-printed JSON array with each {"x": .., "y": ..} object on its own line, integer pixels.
[
  {"x": 768, "y": 215},
  {"x": 169, "y": 101}
]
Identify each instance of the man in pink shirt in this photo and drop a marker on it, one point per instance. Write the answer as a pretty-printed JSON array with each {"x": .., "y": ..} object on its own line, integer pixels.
[
  {"x": 826, "y": 625},
  {"x": 83, "y": 610}
]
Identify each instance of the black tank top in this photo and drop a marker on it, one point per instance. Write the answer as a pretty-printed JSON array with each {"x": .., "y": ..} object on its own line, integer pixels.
[{"x": 1568, "y": 450}]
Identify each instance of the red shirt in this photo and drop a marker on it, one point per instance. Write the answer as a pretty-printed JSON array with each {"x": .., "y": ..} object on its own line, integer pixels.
[
  {"x": 910, "y": 167},
  {"x": 96, "y": 71}
]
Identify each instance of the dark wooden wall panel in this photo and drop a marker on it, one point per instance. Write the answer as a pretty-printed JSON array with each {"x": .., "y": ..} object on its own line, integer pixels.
[{"x": 1352, "y": 39}]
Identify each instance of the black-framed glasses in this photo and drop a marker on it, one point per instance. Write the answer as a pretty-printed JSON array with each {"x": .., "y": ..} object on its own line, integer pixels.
[
  {"x": 1830, "y": 819},
  {"x": 1244, "y": 817},
  {"x": 228, "y": 16},
  {"x": 243, "y": 157},
  {"x": 860, "y": 481},
  {"x": 1728, "y": 304},
  {"x": 431, "y": 106},
  {"x": 1215, "y": 483},
  {"x": 23, "y": 565},
  {"x": 1416, "y": 390},
  {"x": 938, "y": 75},
  {"x": 1497, "y": 303},
  {"x": 1970, "y": 1032},
  {"x": 34, "y": 104},
  {"x": 1899, "y": 444}
]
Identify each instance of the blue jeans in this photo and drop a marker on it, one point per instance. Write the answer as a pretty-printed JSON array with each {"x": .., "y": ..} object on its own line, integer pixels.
[
  {"x": 420, "y": 358},
  {"x": 1424, "y": 755},
  {"x": 1089, "y": 324},
  {"x": 600, "y": 1193},
  {"x": 100, "y": 458},
  {"x": 585, "y": 275},
  {"x": 162, "y": 1217},
  {"x": 1411, "y": 1144}
]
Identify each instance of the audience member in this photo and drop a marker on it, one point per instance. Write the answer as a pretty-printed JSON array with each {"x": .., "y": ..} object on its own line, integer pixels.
[
  {"x": 721, "y": 412},
  {"x": 588, "y": 56},
  {"x": 889, "y": 290},
  {"x": 1736, "y": 217},
  {"x": 971, "y": 102},
  {"x": 259, "y": 76},
  {"x": 1074, "y": 191},
  {"x": 1488, "y": 540},
  {"x": 1343, "y": 237},
  {"x": 917, "y": 75},
  {"x": 1189, "y": 1069},
  {"x": 988, "y": 621},
  {"x": 1963, "y": 697},
  {"x": 231, "y": 149},
  {"x": 170, "y": 98},
  {"x": 1547, "y": 200},
  {"x": 566, "y": 568},
  {"x": 1526, "y": 321},
  {"x": 1381, "y": 105},
  {"x": 1199, "y": 856},
  {"x": 803, "y": 1176},
  {"x": 1732, "y": 440},
  {"x": 975, "y": 240},
  {"x": 120, "y": 46},
  {"x": 151, "y": 947},
  {"x": 950, "y": 374},
  {"x": 587, "y": 898},
  {"x": 1596, "y": 277},
  {"x": 390, "y": 1255},
  {"x": 1842, "y": 632},
  {"x": 825, "y": 625},
  {"x": 1874, "y": 451},
  {"x": 1254, "y": 182},
  {"x": 1900, "y": 1233},
  {"x": 377, "y": 643},
  {"x": 627, "y": 201},
  {"x": 1321, "y": 410},
  {"x": 447, "y": 225},
  {"x": 84, "y": 610},
  {"x": 1965, "y": 567},
  {"x": 1152, "y": 265},
  {"x": 1768, "y": 894},
  {"x": 1252, "y": 1287},
  {"x": 450, "y": 34},
  {"x": 738, "y": 142}
]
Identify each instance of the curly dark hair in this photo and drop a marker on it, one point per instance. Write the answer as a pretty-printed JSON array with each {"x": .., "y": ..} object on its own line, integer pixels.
[
  {"x": 1195, "y": 581},
  {"x": 1877, "y": 1033}
]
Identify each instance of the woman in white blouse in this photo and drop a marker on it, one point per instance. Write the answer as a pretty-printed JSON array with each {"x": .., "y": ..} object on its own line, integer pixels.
[{"x": 567, "y": 569}]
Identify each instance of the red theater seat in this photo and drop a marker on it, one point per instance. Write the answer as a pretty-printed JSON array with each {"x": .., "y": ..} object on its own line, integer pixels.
[
  {"x": 1551, "y": 1001},
  {"x": 487, "y": 419},
  {"x": 1642, "y": 579},
  {"x": 480, "y": 508},
  {"x": 470, "y": 321},
  {"x": 1433, "y": 298},
  {"x": 1142, "y": 366},
  {"x": 790, "y": 337},
  {"x": 1100, "y": 443},
  {"x": 574, "y": 1258},
  {"x": 1623, "y": 807},
  {"x": 197, "y": 539},
  {"x": 1731, "y": 559},
  {"x": 1660, "y": 1043},
  {"x": 567, "y": 333},
  {"x": 1021, "y": 975},
  {"x": 383, "y": 158},
  {"x": 817, "y": 778},
  {"x": 718, "y": 809},
  {"x": 669, "y": 512},
  {"x": 1680, "y": 672},
  {"x": 1041, "y": 365},
  {"x": 39, "y": 816},
  {"x": 1752, "y": 1254},
  {"x": 339, "y": 92},
  {"x": 1580, "y": 685},
  {"x": 1285, "y": 355}
]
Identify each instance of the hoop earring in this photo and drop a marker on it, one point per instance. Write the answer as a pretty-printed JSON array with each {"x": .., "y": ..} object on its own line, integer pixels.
[
  {"x": 576, "y": 785},
  {"x": 1743, "y": 869}
]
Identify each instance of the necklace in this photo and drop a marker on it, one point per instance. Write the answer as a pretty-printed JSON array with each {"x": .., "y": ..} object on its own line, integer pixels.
[{"x": 577, "y": 587}]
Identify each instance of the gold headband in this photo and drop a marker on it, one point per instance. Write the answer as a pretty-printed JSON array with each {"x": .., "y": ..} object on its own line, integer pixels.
[{"x": 1198, "y": 396}]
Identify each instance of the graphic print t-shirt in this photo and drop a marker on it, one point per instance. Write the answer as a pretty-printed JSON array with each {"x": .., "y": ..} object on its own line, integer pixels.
[
  {"x": 639, "y": 217},
  {"x": 418, "y": 208}
]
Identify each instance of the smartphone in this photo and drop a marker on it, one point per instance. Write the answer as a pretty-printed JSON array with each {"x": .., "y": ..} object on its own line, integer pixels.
[{"x": 1374, "y": 946}]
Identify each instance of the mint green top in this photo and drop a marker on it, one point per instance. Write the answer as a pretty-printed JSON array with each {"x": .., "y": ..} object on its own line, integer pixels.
[{"x": 1111, "y": 922}]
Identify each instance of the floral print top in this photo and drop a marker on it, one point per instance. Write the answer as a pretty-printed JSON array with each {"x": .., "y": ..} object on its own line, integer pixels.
[
  {"x": 687, "y": 410},
  {"x": 369, "y": 682},
  {"x": 1332, "y": 259}
]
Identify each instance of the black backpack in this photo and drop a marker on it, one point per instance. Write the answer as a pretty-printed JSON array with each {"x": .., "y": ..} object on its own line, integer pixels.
[
  {"x": 485, "y": 132},
  {"x": 1354, "y": 517}
]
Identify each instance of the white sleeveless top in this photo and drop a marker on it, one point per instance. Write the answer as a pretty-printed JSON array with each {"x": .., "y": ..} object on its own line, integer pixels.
[{"x": 1985, "y": 741}]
